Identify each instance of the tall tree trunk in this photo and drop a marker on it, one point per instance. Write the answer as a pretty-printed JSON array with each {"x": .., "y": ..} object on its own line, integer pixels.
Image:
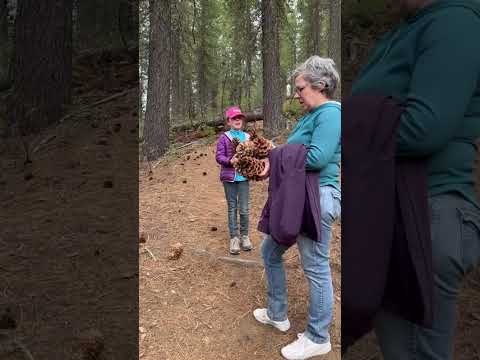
[
  {"x": 202, "y": 80},
  {"x": 157, "y": 122},
  {"x": 176, "y": 84},
  {"x": 222, "y": 103},
  {"x": 213, "y": 98},
  {"x": 248, "y": 81},
  {"x": 99, "y": 24},
  {"x": 43, "y": 63},
  {"x": 274, "y": 122},
  {"x": 190, "y": 99},
  {"x": 249, "y": 54},
  {"x": 5, "y": 58},
  {"x": 202, "y": 64},
  {"x": 182, "y": 91},
  {"x": 316, "y": 27},
  {"x": 335, "y": 39}
]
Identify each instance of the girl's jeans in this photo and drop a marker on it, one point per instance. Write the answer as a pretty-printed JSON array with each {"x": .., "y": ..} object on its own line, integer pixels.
[{"x": 237, "y": 195}]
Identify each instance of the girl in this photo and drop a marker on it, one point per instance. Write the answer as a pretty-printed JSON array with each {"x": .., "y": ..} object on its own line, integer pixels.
[{"x": 236, "y": 186}]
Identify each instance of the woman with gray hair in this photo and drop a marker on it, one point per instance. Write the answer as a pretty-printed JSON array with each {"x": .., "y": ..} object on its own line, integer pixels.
[{"x": 319, "y": 130}]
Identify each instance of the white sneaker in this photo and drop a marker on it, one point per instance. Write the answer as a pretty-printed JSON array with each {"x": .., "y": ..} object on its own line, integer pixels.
[
  {"x": 235, "y": 245},
  {"x": 246, "y": 243},
  {"x": 304, "y": 348},
  {"x": 262, "y": 316}
]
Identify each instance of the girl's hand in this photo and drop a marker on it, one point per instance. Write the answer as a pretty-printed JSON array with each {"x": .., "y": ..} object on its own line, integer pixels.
[
  {"x": 266, "y": 171},
  {"x": 234, "y": 160}
]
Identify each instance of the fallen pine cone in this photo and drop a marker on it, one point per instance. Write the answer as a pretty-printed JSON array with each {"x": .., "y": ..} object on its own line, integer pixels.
[{"x": 176, "y": 251}]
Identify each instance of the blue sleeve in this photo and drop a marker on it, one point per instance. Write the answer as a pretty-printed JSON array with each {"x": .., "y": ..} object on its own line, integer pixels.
[
  {"x": 444, "y": 79},
  {"x": 325, "y": 139}
]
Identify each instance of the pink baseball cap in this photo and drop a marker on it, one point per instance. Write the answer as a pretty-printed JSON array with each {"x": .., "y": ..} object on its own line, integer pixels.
[{"x": 233, "y": 111}]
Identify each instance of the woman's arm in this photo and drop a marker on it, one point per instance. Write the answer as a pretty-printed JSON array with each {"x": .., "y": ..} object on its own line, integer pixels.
[
  {"x": 325, "y": 139},
  {"x": 444, "y": 79}
]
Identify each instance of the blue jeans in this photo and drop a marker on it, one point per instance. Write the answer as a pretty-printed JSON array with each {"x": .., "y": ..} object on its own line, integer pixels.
[
  {"x": 238, "y": 197},
  {"x": 455, "y": 231},
  {"x": 315, "y": 261}
]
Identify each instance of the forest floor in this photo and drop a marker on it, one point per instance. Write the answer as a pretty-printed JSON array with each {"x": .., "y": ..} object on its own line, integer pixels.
[
  {"x": 60, "y": 226},
  {"x": 200, "y": 305}
]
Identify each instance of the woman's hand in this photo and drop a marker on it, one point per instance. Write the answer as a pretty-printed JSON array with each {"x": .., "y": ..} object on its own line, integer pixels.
[{"x": 266, "y": 171}]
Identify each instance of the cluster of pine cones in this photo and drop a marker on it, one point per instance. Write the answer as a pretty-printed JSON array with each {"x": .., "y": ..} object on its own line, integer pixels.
[{"x": 250, "y": 153}]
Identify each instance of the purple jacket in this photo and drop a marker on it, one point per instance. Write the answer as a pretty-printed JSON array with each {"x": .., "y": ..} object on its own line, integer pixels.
[
  {"x": 223, "y": 155},
  {"x": 293, "y": 204},
  {"x": 384, "y": 192}
]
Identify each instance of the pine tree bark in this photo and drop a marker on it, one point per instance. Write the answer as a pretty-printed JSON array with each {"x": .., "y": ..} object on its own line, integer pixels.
[
  {"x": 176, "y": 83},
  {"x": 335, "y": 39},
  {"x": 5, "y": 53},
  {"x": 43, "y": 63},
  {"x": 274, "y": 122},
  {"x": 316, "y": 27},
  {"x": 191, "y": 108},
  {"x": 250, "y": 49},
  {"x": 202, "y": 64},
  {"x": 157, "y": 121},
  {"x": 248, "y": 80}
]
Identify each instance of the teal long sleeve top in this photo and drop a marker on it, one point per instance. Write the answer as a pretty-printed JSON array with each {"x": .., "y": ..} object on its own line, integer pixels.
[
  {"x": 319, "y": 130},
  {"x": 431, "y": 65}
]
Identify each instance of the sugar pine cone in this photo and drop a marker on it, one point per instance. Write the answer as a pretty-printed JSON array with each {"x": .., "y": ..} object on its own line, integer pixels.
[
  {"x": 246, "y": 149},
  {"x": 250, "y": 167},
  {"x": 244, "y": 164},
  {"x": 253, "y": 134},
  {"x": 235, "y": 143},
  {"x": 258, "y": 168},
  {"x": 263, "y": 147}
]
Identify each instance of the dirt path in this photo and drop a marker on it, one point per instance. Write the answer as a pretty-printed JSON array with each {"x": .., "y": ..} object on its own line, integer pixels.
[{"x": 199, "y": 307}]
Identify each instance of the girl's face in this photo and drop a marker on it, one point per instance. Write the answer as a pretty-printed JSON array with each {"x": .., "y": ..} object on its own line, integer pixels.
[{"x": 236, "y": 123}]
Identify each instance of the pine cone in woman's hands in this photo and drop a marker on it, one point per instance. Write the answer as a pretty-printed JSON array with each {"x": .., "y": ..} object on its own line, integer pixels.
[{"x": 263, "y": 147}]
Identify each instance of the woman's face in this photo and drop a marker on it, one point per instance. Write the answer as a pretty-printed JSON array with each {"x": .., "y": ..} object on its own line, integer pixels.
[
  {"x": 307, "y": 96},
  {"x": 236, "y": 123}
]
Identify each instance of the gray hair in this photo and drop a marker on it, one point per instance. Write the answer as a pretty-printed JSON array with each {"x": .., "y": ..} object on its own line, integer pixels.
[{"x": 320, "y": 73}]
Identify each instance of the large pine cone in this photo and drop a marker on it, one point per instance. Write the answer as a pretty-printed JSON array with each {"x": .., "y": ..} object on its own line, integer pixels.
[
  {"x": 249, "y": 154},
  {"x": 253, "y": 134},
  {"x": 235, "y": 143},
  {"x": 246, "y": 149},
  {"x": 263, "y": 147},
  {"x": 250, "y": 167}
]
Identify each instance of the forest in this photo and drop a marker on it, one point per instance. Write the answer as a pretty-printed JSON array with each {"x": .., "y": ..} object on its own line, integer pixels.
[
  {"x": 52, "y": 51},
  {"x": 199, "y": 56}
]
